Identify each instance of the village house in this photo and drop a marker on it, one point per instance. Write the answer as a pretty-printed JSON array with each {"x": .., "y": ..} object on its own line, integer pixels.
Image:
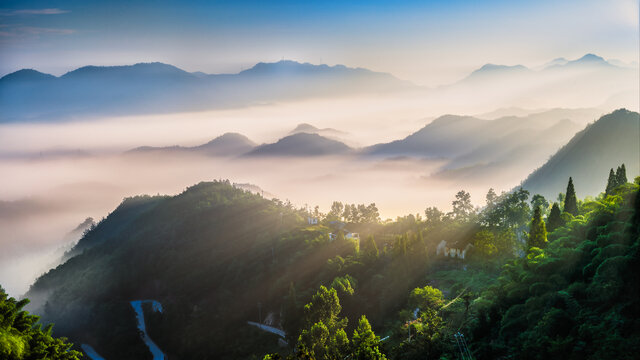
[{"x": 452, "y": 252}]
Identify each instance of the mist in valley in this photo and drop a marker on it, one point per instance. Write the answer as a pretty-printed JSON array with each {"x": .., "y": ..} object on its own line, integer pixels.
[{"x": 57, "y": 174}]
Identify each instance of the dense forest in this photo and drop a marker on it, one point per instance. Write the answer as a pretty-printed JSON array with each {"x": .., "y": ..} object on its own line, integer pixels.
[
  {"x": 522, "y": 277},
  {"x": 22, "y": 337}
]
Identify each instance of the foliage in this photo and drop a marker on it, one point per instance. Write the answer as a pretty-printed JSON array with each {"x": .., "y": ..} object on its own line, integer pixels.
[
  {"x": 554, "y": 220},
  {"x": 462, "y": 207},
  {"x": 577, "y": 298},
  {"x": 365, "y": 345},
  {"x": 217, "y": 256},
  {"x": 537, "y": 231},
  {"x": 21, "y": 337},
  {"x": 570, "y": 200}
]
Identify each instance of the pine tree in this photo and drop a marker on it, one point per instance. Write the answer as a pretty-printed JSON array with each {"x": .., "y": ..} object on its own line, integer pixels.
[
  {"x": 365, "y": 345},
  {"x": 611, "y": 183},
  {"x": 570, "y": 200},
  {"x": 538, "y": 231},
  {"x": 621, "y": 175},
  {"x": 554, "y": 220}
]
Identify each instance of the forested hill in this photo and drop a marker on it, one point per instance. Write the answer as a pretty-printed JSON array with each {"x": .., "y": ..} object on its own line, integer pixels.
[
  {"x": 206, "y": 254},
  {"x": 217, "y": 257},
  {"x": 612, "y": 139}
]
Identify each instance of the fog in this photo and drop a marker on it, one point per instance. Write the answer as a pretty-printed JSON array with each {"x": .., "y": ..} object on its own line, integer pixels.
[{"x": 54, "y": 175}]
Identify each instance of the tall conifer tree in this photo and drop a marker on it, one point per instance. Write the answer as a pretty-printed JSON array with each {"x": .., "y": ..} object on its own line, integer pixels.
[
  {"x": 621, "y": 175},
  {"x": 611, "y": 183},
  {"x": 554, "y": 220},
  {"x": 538, "y": 230},
  {"x": 570, "y": 200}
]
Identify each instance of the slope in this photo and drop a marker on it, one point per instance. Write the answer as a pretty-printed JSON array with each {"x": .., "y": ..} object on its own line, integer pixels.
[{"x": 608, "y": 142}]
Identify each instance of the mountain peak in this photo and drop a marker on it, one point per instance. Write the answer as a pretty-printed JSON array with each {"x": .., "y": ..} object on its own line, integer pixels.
[
  {"x": 229, "y": 138},
  {"x": 301, "y": 144},
  {"x": 140, "y": 69},
  {"x": 27, "y": 75},
  {"x": 284, "y": 67},
  {"x": 591, "y": 58},
  {"x": 304, "y": 127}
]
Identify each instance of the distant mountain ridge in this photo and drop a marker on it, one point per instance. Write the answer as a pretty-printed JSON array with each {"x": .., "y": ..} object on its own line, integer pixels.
[
  {"x": 610, "y": 141},
  {"x": 228, "y": 144},
  {"x": 160, "y": 88},
  {"x": 301, "y": 144},
  {"x": 451, "y": 136},
  {"x": 494, "y": 69}
]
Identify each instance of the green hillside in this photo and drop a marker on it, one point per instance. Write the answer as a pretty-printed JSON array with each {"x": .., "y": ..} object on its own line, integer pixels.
[
  {"x": 217, "y": 257},
  {"x": 612, "y": 139}
]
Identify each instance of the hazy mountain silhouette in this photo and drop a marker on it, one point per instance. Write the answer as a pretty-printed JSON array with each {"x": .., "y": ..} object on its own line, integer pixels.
[
  {"x": 588, "y": 60},
  {"x": 589, "y": 81},
  {"x": 301, "y": 144},
  {"x": 229, "y": 144},
  {"x": 310, "y": 129},
  {"x": 490, "y": 70},
  {"x": 160, "y": 88},
  {"x": 452, "y": 136},
  {"x": 26, "y": 76},
  {"x": 610, "y": 141}
]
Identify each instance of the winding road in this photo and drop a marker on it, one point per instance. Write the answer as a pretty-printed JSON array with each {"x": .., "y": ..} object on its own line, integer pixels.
[{"x": 137, "y": 307}]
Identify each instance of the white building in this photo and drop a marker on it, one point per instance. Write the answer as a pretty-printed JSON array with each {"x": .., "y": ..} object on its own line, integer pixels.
[
  {"x": 352, "y": 236},
  {"x": 443, "y": 250}
]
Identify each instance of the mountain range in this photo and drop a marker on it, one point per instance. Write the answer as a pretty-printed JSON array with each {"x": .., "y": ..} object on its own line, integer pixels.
[
  {"x": 301, "y": 144},
  {"x": 228, "y": 144},
  {"x": 588, "y": 61},
  {"x": 152, "y": 88},
  {"x": 160, "y": 88},
  {"x": 467, "y": 146}
]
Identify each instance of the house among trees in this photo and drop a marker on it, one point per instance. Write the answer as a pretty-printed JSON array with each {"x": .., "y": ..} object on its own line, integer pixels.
[
  {"x": 350, "y": 235},
  {"x": 312, "y": 220},
  {"x": 444, "y": 250},
  {"x": 347, "y": 235}
]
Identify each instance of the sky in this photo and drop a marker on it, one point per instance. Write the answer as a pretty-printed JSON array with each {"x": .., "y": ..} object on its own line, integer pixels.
[{"x": 427, "y": 42}]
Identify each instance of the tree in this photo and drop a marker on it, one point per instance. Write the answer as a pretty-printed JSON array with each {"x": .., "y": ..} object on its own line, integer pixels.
[
  {"x": 538, "y": 231},
  {"x": 554, "y": 220},
  {"x": 491, "y": 197},
  {"x": 336, "y": 211},
  {"x": 612, "y": 182},
  {"x": 324, "y": 336},
  {"x": 427, "y": 338},
  {"x": 344, "y": 285},
  {"x": 426, "y": 298},
  {"x": 621, "y": 175},
  {"x": 433, "y": 217},
  {"x": 483, "y": 241},
  {"x": 346, "y": 213},
  {"x": 539, "y": 201},
  {"x": 369, "y": 249},
  {"x": 365, "y": 345},
  {"x": 570, "y": 200},
  {"x": 511, "y": 210},
  {"x": 21, "y": 338},
  {"x": 372, "y": 213},
  {"x": 462, "y": 207}
]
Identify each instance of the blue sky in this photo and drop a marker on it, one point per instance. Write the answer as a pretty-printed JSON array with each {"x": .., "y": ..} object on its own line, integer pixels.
[{"x": 428, "y": 42}]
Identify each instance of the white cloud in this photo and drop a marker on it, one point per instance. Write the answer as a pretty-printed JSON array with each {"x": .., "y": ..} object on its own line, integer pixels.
[{"x": 53, "y": 11}]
